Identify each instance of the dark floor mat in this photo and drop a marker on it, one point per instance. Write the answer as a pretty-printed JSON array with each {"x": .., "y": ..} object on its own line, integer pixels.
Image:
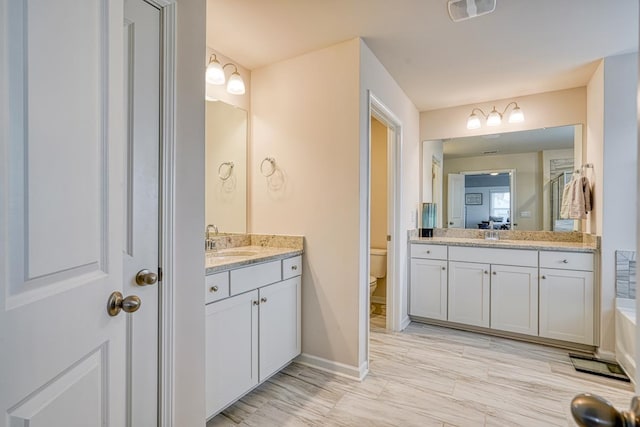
[{"x": 594, "y": 366}]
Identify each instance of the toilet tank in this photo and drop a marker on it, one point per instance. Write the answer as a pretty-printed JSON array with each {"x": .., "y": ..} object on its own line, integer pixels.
[{"x": 378, "y": 263}]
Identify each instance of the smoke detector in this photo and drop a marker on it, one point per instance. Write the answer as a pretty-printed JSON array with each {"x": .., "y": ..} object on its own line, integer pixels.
[{"x": 460, "y": 10}]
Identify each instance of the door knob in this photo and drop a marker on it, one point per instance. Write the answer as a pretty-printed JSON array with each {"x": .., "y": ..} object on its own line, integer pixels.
[
  {"x": 146, "y": 277},
  {"x": 116, "y": 303}
]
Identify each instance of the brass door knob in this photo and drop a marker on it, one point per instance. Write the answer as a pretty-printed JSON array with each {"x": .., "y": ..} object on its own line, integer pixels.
[
  {"x": 117, "y": 303},
  {"x": 146, "y": 277}
]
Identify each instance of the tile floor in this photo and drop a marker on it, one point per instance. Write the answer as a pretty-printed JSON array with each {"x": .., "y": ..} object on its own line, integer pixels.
[{"x": 429, "y": 376}]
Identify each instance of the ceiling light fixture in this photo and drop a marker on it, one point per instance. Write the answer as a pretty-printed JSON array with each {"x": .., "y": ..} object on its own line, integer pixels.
[
  {"x": 215, "y": 76},
  {"x": 494, "y": 118}
]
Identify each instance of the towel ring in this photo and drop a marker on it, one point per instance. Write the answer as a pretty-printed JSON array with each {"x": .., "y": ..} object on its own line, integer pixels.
[
  {"x": 227, "y": 175},
  {"x": 266, "y": 172}
]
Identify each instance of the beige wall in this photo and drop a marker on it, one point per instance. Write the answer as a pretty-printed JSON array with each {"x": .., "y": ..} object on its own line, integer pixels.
[
  {"x": 528, "y": 195},
  {"x": 188, "y": 277},
  {"x": 305, "y": 115},
  {"x": 378, "y": 184},
  {"x": 379, "y": 201}
]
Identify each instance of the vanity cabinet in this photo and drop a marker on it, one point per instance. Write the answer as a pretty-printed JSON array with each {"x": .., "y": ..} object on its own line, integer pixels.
[
  {"x": 567, "y": 297},
  {"x": 428, "y": 290},
  {"x": 469, "y": 293},
  {"x": 254, "y": 332},
  {"x": 514, "y": 299}
]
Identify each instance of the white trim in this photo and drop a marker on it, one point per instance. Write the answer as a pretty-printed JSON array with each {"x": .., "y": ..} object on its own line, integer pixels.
[
  {"x": 166, "y": 309},
  {"x": 336, "y": 368},
  {"x": 605, "y": 355},
  {"x": 394, "y": 279},
  {"x": 405, "y": 322}
]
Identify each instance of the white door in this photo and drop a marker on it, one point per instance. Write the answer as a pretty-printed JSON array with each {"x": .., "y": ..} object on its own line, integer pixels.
[
  {"x": 514, "y": 299},
  {"x": 141, "y": 245},
  {"x": 62, "y": 356},
  {"x": 469, "y": 293},
  {"x": 428, "y": 288},
  {"x": 279, "y": 324},
  {"x": 455, "y": 200}
]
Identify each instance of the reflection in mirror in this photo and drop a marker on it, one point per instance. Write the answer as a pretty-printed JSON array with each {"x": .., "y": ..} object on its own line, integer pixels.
[
  {"x": 226, "y": 170},
  {"x": 513, "y": 180}
]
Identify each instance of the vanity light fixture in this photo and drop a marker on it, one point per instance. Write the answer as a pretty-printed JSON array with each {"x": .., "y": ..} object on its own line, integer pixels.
[
  {"x": 494, "y": 118},
  {"x": 215, "y": 76}
]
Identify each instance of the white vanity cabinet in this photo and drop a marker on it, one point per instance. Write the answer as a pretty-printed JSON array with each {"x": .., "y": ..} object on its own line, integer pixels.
[
  {"x": 428, "y": 290},
  {"x": 567, "y": 297},
  {"x": 514, "y": 299},
  {"x": 469, "y": 293},
  {"x": 254, "y": 332}
]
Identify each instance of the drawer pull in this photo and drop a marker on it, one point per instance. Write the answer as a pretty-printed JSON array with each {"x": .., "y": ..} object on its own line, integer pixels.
[
  {"x": 495, "y": 273},
  {"x": 428, "y": 252},
  {"x": 256, "y": 303},
  {"x": 213, "y": 289},
  {"x": 565, "y": 261},
  {"x": 544, "y": 277},
  {"x": 263, "y": 299},
  {"x": 294, "y": 267}
]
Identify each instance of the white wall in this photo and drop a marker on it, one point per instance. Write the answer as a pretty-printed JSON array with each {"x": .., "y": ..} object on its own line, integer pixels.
[
  {"x": 595, "y": 146},
  {"x": 619, "y": 187},
  {"x": 189, "y": 216},
  {"x": 375, "y": 79}
]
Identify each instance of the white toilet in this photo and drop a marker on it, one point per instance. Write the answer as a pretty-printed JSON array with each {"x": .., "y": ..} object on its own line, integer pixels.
[{"x": 377, "y": 268}]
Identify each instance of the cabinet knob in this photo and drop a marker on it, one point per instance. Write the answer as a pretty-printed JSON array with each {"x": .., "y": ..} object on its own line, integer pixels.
[
  {"x": 263, "y": 299},
  {"x": 543, "y": 277},
  {"x": 213, "y": 289},
  {"x": 294, "y": 267},
  {"x": 256, "y": 303},
  {"x": 486, "y": 272},
  {"x": 444, "y": 268},
  {"x": 565, "y": 261},
  {"x": 495, "y": 273},
  {"x": 428, "y": 252}
]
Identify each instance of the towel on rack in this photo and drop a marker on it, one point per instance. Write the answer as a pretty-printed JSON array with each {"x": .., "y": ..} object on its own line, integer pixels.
[{"x": 576, "y": 199}]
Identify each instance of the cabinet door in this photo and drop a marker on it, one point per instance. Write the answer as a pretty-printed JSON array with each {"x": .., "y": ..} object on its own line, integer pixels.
[
  {"x": 231, "y": 328},
  {"x": 279, "y": 325},
  {"x": 566, "y": 305},
  {"x": 428, "y": 289},
  {"x": 469, "y": 293},
  {"x": 514, "y": 299}
]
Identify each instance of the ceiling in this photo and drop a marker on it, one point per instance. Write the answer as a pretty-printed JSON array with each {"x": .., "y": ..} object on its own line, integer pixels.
[
  {"x": 555, "y": 138},
  {"x": 524, "y": 47}
]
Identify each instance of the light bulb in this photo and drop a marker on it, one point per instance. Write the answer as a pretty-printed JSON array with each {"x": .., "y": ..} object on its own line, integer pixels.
[
  {"x": 235, "y": 85},
  {"x": 215, "y": 73},
  {"x": 494, "y": 118},
  {"x": 473, "y": 122},
  {"x": 516, "y": 116}
]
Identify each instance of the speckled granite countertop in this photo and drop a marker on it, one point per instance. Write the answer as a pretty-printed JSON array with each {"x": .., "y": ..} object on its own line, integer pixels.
[
  {"x": 509, "y": 244},
  {"x": 262, "y": 248}
]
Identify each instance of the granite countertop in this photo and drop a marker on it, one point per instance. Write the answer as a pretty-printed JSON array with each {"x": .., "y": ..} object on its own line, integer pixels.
[
  {"x": 509, "y": 244},
  {"x": 215, "y": 263}
]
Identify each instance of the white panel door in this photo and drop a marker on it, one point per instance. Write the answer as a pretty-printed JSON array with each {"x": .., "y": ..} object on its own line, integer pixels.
[
  {"x": 231, "y": 334},
  {"x": 455, "y": 201},
  {"x": 514, "y": 299},
  {"x": 141, "y": 245},
  {"x": 62, "y": 358},
  {"x": 279, "y": 325},
  {"x": 469, "y": 293},
  {"x": 428, "y": 288},
  {"x": 566, "y": 305}
]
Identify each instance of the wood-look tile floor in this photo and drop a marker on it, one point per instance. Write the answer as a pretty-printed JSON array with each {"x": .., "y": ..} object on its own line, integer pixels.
[{"x": 429, "y": 376}]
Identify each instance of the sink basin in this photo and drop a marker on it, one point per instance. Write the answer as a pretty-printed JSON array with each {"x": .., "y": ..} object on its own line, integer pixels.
[{"x": 219, "y": 254}]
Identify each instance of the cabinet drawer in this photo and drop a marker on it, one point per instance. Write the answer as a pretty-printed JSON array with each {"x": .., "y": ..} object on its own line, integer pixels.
[
  {"x": 520, "y": 257},
  {"x": 428, "y": 251},
  {"x": 255, "y": 276},
  {"x": 217, "y": 287},
  {"x": 291, "y": 267},
  {"x": 566, "y": 260}
]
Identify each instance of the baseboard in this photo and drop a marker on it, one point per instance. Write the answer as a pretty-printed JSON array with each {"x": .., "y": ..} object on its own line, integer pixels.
[
  {"x": 605, "y": 355},
  {"x": 405, "y": 322},
  {"x": 336, "y": 368}
]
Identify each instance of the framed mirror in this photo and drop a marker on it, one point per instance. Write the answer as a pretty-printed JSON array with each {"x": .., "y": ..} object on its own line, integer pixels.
[
  {"x": 226, "y": 167},
  {"x": 509, "y": 180}
]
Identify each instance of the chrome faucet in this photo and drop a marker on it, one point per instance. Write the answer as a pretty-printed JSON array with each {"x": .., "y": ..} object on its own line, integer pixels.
[{"x": 209, "y": 243}]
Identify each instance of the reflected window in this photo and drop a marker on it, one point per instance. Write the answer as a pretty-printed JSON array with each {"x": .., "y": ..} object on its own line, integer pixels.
[{"x": 500, "y": 204}]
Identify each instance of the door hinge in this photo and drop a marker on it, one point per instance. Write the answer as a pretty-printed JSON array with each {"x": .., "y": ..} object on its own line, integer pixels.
[
  {"x": 388, "y": 237},
  {"x": 159, "y": 274}
]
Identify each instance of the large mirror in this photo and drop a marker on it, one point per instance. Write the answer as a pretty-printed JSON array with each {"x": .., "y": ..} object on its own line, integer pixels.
[
  {"x": 509, "y": 180},
  {"x": 226, "y": 167}
]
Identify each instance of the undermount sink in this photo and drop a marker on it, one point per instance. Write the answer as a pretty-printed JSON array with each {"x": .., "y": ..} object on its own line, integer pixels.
[{"x": 232, "y": 253}]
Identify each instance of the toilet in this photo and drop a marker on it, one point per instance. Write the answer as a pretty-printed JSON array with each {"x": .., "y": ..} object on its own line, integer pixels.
[{"x": 377, "y": 268}]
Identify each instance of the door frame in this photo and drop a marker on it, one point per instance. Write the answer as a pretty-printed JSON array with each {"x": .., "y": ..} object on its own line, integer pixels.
[
  {"x": 383, "y": 114},
  {"x": 166, "y": 309}
]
